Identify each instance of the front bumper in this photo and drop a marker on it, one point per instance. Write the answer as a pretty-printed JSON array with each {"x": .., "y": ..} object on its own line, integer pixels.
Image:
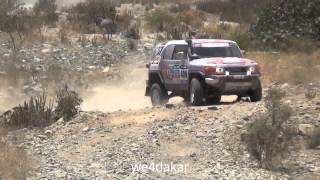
[{"x": 232, "y": 84}]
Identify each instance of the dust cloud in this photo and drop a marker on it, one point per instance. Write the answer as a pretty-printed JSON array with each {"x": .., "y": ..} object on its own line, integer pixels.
[{"x": 125, "y": 95}]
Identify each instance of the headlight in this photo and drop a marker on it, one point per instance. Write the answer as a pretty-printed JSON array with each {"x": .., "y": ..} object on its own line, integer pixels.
[
  {"x": 214, "y": 70},
  {"x": 252, "y": 69},
  {"x": 219, "y": 70}
]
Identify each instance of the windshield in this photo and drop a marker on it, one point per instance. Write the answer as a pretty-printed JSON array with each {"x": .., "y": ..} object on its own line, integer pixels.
[{"x": 223, "y": 50}]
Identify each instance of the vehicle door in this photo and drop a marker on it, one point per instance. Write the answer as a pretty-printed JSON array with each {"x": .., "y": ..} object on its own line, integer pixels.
[{"x": 175, "y": 67}]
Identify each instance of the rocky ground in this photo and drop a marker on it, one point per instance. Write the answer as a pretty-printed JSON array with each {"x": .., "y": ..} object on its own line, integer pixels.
[
  {"x": 204, "y": 141},
  {"x": 173, "y": 142}
]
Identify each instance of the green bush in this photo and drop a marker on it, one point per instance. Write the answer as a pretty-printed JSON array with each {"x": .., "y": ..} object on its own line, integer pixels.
[
  {"x": 243, "y": 39},
  {"x": 68, "y": 103},
  {"x": 282, "y": 23},
  {"x": 269, "y": 135}
]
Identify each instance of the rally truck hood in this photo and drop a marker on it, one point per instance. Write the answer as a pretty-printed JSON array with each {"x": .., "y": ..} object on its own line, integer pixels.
[{"x": 233, "y": 61}]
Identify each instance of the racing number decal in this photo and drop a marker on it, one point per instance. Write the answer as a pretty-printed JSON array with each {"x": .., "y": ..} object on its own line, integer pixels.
[{"x": 177, "y": 72}]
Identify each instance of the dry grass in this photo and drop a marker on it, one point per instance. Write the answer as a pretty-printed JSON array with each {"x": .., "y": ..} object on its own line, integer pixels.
[
  {"x": 288, "y": 67},
  {"x": 14, "y": 162}
]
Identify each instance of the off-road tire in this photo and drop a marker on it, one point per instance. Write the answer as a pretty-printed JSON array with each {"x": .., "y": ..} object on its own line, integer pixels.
[
  {"x": 256, "y": 95},
  {"x": 159, "y": 96},
  {"x": 213, "y": 100},
  {"x": 196, "y": 92}
]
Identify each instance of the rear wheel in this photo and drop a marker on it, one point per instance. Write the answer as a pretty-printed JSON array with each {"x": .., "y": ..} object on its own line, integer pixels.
[
  {"x": 159, "y": 96},
  {"x": 256, "y": 95},
  {"x": 213, "y": 100},
  {"x": 196, "y": 92}
]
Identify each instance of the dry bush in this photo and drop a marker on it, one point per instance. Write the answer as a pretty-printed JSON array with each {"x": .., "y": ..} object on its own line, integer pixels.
[
  {"x": 132, "y": 44},
  {"x": 82, "y": 16},
  {"x": 310, "y": 93},
  {"x": 68, "y": 103},
  {"x": 269, "y": 135},
  {"x": 63, "y": 34},
  {"x": 37, "y": 112},
  {"x": 94, "y": 41},
  {"x": 288, "y": 67},
  {"x": 45, "y": 11},
  {"x": 14, "y": 162},
  {"x": 171, "y": 24},
  {"x": 314, "y": 140},
  {"x": 194, "y": 18},
  {"x": 179, "y": 7}
]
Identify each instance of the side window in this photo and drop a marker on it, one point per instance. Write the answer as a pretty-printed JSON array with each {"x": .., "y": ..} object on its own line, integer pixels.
[
  {"x": 180, "y": 52},
  {"x": 167, "y": 54}
]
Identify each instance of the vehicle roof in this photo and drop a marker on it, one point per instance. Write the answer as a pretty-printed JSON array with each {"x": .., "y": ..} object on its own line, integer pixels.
[{"x": 183, "y": 42}]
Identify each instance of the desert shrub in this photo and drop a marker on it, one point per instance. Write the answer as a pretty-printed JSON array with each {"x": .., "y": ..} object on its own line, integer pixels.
[
  {"x": 236, "y": 10},
  {"x": 63, "y": 34},
  {"x": 314, "y": 140},
  {"x": 45, "y": 10},
  {"x": 194, "y": 18},
  {"x": 172, "y": 25},
  {"x": 37, "y": 112},
  {"x": 243, "y": 39},
  {"x": 133, "y": 29},
  {"x": 94, "y": 41},
  {"x": 310, "y": 93},
  {"x": 159, "y": 20},
  {"x": 83, "y": 15},
  {"x": 68, "y": 103},
  {"x": 132, "y": 44},
  {"x": 269, "y": 134},
  {"x": 179, "y": 7}
]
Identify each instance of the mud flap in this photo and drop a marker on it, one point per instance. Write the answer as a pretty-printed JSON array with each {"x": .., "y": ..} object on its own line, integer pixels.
[{"x": 147, "y": 93}]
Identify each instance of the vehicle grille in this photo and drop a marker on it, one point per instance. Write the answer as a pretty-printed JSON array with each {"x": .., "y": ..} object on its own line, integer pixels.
[{"x": 237, "y": 70}]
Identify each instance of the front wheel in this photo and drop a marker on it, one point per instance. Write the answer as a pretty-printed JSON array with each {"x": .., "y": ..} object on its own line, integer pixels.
[
  {"x": 256, "y": 95},
  {"x": 159, "y": 96},
  {"x": 196, "y": 92}
]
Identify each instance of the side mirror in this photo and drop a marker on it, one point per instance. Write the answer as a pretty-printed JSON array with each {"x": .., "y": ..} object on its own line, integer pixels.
[
  {"x": 243, "y": 52},
  {"x": 194, "y": 56},
  {"x": 148, "y": 65}
]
